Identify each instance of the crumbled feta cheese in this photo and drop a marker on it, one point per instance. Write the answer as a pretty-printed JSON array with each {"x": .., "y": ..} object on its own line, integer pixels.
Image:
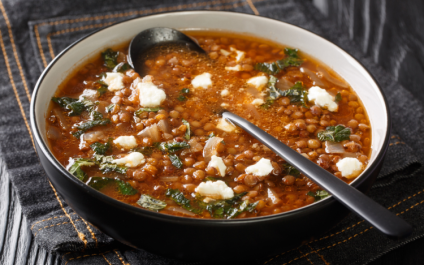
[
  {"x": 217, "y": 190},
  {"x": 258, "y": 102},
  {"x": 126, "y": 142},
  {"x": 114, "y": 81},
  {"x": 350, "y": 167},
  {"x": 149, "y": 94},
  {"x": 217, "y": 163},
  {"x": 262, "y": 168},
  {"x": 225, "y": 126},
  {"x": 132, "y": 160},
  {"x": 224, "y": 52},
  {"x": 240, "y": 55},
  {"x": 225, "y": 105},
  {"x": 258, "y": 82},
  {"x": 203, "y": 80},
  {"x": 225, "y": 92},
  {"x": 88, "y": 94},
  {"x": 322, "y": 98},
  {"x": 234, "y": 68}
]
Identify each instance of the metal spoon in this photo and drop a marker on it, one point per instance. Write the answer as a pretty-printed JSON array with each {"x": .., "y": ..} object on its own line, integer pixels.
[
  {"x": 152, "y": 38},
  {"x": 357, "y": 202}
]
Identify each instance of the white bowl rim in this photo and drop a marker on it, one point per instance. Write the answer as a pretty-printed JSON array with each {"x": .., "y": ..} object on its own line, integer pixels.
[{"x": 46, "y": 150}]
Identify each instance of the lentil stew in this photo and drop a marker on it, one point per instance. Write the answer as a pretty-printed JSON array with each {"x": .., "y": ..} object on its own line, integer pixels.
[{"x": 158, "y": 141}]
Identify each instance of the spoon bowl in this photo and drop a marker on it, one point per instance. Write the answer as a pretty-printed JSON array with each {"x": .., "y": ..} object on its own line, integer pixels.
[{"x": 151, "y": 38}]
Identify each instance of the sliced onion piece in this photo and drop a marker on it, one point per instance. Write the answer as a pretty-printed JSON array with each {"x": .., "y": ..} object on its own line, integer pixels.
[
  {"x": 284, "y": 84},
  {"x": 350, "y": 154},
  {"x": 334, "y": 148},
  {"x": 53, "y": 133},
  {"x": 313, "y": 76},
  {"x": 152, "y": 132},
  {"x": 251, "y": 109},
  {"x": 169, "y": 178},
  {"x": 330, "y": 78},
  {"x": 195, "y": 147},
  {"x": 273, "y": 196},
  {"x": 93, "y": 136},
  {"x": 211, "y": 148},
  {"x": 164, "y": 126},
  {"x": 62, "y": 119},
  {"x": 176, "y": 209}
]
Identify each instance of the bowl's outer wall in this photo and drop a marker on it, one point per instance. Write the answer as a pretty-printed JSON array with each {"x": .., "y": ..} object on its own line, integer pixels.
[
  {"x": 187, "y": 238},
  {"x": 200, "y": 241}
]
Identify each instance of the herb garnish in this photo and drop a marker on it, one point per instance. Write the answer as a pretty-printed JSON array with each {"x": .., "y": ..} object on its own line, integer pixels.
[
  {"x": 110, "y": 58},
  {"x": 318, "y": 195},
  {"x": 106, "y": 165},
  {"x": 75, "y": 106},
  {"x": 338, "y": 97},
  {"x": 183, "y": 94},
  {"x": 99, "y": 183},
  {"x": 187, "y": 133},
  {"x": 97, "y": 120},
  {"x": 297, "y": 93},
  {"x": 176, "y": 161},
  {"x": 139, "y": 111},
  {"x": 334, "y": 134},
  {"x": 76, "y": 170},
  {"x": 291, "y": 59},
  {"x": 291, "y": 170},
  {"x": 151, "y": 203},
  {"x": 100, "y": 148},
  {"x": 173, "y": 147},
  {"x": 178, "y": 197}
]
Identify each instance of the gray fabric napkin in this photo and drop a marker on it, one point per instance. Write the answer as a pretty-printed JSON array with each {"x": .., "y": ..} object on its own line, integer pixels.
[{"x": 56, "y": 227}]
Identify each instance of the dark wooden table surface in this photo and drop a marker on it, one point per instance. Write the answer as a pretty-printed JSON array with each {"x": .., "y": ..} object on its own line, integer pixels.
[{"x": 389, "y": 31}]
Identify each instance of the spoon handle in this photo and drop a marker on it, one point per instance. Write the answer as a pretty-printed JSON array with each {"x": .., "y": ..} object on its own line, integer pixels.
[{"x": 357, "y": 202}]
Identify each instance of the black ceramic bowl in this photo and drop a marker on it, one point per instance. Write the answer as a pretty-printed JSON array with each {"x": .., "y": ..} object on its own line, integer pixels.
[{"x": 195, "y": 239}]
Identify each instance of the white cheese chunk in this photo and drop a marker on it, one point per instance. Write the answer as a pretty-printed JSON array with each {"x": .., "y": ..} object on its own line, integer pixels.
[
  {"x": 217, "y": 190},
  {"x": 114, "y": 81},
  {"x": 149, "y": 94},
  {"x": 203, "y": 80},
  {"x": 322, "y": 98},
  {"x": 258, "y": 82},
  {"x": 240, "y": 55},
  {"x": 90, "y": 94},
  {"x": 225, "y": 126},
  {"x": 258, "y": 102},
  {"x": 234, "y": 68},
  {"x": 225, "y": 92},
  {"x": 350, "y": 167},
  {"x": 132, "y": 160},
  {"x": 217, "y": 163},
  {"x": 224, "y": 52},
  {"x": 126, "y": 142},
  {"x": 262, "y": 168}
]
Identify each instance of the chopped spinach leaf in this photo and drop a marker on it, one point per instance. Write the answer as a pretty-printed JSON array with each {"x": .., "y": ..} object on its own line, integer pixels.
[
  {"x": 267, "y": 104},
  {"x": 210, "y": 178},
  {"x": 291, "y": 59},
  {"x": 122, "y": 67},
  {"x": 178, "y": 197},
  {"x": 99, "y": 183},
  {"x": 75, "y": 168},
  {"x": 125, "y": 188},
  {"x": 139, "y": 111},
  {"x": 334, "y": 134},
  {"x": 176, "y": 161},
  {"x": 338, "y": 97},
  {"x": 274, "y": 93},
  {"x": 151, "y": 203},
  {"x": 297, "y": 94},
  {"x": 318, "y": 195},
  {"x": 211, "y": 135},
  {"x": 183, "y": 94},
  {"x": 110, "y": 58},
  {"x": 110, "y": 108},
  {"x": 145, "y": 150},
  {"x": 106, "y": 165},
  {"x": 102, "y": 90},
  {"x": 97, "y": 120},
  {"x": 229, "y": 208},
  {"x": 100, "y": 148},
  {"x": 173, "y": 147},
  {"x": 291, "y": 170},
  {"x": 187, "y": 133},
  {"x": 75, "y": 106}
]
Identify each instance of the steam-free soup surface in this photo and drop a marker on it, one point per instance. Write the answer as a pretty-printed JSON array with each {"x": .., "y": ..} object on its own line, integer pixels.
[{"x": 158, "y": 141}]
